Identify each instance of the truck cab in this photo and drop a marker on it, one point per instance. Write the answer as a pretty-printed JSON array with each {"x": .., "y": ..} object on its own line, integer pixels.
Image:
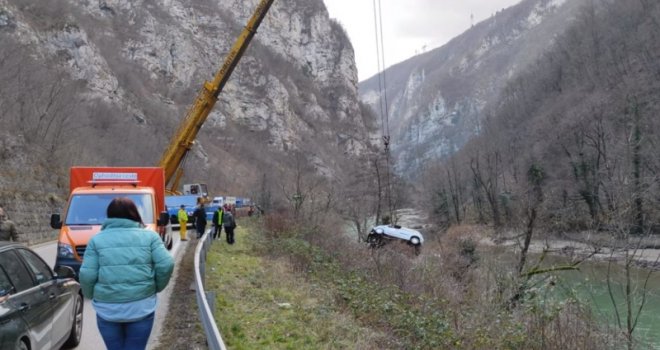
[
  {"x": 92, "y": 190},
  {"x": 197, "y": 189}
]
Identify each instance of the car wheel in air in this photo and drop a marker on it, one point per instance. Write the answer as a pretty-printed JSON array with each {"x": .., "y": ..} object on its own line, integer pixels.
[
  {"x": 76, "y": 328},
  {"x": 414, "y": 240}
]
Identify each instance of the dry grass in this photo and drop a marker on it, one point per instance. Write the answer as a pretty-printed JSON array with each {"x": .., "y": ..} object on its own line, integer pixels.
[{"x": 263, "y": 304}]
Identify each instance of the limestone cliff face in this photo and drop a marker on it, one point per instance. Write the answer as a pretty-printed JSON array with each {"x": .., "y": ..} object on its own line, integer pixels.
[
  {"x": 141, "y": 62},
  {"x": 436, "y": 100}
]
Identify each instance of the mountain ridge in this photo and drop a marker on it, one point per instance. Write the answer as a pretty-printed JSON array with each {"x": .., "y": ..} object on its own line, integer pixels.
[{"x": 435, "y": 99}]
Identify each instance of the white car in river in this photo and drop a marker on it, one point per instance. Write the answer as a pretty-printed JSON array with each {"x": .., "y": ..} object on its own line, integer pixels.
[{"x": 379, "y": 234}]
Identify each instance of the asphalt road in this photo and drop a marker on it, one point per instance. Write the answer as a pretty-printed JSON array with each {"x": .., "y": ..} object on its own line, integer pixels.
[{"x": 91, "y": 338}]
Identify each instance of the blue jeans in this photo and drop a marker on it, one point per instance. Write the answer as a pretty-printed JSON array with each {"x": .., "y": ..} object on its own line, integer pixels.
[{"x": 126, "y": 335}]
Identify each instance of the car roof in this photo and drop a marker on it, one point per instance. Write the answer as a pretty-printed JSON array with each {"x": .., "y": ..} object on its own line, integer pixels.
[{"x": 4, "y": 244}]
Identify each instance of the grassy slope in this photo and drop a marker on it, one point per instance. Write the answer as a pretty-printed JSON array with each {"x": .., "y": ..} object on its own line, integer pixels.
[{"x": 263, "y": 304}]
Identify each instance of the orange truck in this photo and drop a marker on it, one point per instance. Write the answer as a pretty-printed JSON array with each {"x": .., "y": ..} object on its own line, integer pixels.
[{"x": 90, "y": 191}]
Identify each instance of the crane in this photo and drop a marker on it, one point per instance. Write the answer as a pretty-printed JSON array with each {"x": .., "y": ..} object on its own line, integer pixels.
[{"x": 175, "y": 154}]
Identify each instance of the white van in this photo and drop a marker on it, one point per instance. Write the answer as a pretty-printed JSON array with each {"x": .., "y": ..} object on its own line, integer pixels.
[{"x": 218, "y": 201}]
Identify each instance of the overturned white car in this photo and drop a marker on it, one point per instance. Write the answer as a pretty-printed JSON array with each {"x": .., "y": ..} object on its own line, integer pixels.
[{"x": 379, "y": 235}]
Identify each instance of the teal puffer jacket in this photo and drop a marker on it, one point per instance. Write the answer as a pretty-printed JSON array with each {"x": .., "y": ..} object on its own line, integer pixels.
[{"x": 124, "y": 263}]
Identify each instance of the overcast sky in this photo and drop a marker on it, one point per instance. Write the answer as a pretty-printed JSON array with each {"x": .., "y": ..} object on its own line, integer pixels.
[{"x": 409, "y": 26}]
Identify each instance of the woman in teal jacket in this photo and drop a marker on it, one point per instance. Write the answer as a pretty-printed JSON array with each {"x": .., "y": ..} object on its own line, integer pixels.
[{"x": 124, "y": 266}]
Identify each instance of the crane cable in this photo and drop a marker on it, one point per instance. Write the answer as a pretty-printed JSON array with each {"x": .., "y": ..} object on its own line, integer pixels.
[{"x": 382, "y": 89}]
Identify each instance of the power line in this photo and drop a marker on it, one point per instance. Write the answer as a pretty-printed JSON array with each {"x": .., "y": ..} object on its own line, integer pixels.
[
  {"x": 380, "y": 69},
  {"x": 382, "y": 89}
]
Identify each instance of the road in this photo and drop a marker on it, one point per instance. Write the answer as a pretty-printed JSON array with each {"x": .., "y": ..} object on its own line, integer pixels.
[{"x": 91, "y": 338}]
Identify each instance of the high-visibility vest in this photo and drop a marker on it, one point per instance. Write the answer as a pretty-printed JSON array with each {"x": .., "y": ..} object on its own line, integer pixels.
[
  {"x": 220, "y": 213},
  {"x": 182, "y": 216}
]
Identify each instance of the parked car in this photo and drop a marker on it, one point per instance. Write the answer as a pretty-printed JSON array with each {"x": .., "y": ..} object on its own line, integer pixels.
[
  {"x": 378, "y": 234},
  {"x": 173, "y": 203},
  {"x": 39, "y": 308}
]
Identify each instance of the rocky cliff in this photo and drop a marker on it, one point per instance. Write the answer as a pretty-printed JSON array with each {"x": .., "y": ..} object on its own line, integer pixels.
[
  {"x": 123, "y": 73},
  {"x": 436, "y": 100}
]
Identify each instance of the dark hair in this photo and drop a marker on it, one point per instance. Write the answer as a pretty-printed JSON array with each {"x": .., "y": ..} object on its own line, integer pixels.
[{"x": 124, "y": 208}]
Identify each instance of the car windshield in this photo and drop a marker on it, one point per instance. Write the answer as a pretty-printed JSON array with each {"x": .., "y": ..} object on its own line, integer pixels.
[{"x": 91, "y": 209}]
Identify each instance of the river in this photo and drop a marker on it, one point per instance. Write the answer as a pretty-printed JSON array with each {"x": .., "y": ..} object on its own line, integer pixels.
[{"x": 590, "y": 285}]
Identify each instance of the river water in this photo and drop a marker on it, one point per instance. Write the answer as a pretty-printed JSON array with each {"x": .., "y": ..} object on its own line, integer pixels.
[{"x": 602, "y": 286}]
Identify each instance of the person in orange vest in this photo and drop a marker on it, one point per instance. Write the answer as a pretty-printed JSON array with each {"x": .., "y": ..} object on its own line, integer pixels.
[{"x": 183, "y": 222}]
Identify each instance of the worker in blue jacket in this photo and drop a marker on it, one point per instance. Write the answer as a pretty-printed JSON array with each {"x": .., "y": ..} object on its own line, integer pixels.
[{"x": 124, "y": 267}]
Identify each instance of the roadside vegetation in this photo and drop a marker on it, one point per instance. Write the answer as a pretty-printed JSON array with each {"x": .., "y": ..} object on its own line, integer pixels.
[
  {"x": 282, "y": 287},
  {"x": 263, "y": 303}
]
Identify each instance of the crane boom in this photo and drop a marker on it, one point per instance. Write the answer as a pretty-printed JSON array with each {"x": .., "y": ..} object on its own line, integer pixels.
[{"x": 183, "y": 140}]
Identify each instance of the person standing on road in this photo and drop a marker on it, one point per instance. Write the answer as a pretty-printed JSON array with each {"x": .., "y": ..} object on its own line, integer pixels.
[
  {"x": 124, "y": 267},
  {"x": 218, "y": 215},
  {"x": 230, "y": 224},
  {"x": 183, "y": 222},
  {"x": 200, "y": 219},
  {"x": 8, "y": 231}
]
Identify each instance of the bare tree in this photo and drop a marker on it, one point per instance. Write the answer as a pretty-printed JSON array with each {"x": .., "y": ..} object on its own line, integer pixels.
[
  {"x": 360, "y": 196},
  {"x": 488, "y": 180},
  {"x": 309, "y": 194}
]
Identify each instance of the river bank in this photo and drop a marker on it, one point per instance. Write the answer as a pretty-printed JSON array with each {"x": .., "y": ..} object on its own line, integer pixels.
[{"x": 596, "y": 246}]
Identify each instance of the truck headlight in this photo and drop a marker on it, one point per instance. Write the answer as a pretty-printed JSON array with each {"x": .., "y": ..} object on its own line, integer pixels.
[{"x": 64, "y": 250}]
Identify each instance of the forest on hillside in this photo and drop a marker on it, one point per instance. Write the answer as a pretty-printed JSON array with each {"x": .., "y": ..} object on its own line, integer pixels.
[
  {"x": 572, "y": 142},
  {"x": 569, "y": 146}
]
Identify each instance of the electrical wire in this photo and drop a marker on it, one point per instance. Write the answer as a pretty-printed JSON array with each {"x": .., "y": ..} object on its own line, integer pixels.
[
  {"x": 382, "y": 89},
  {"x": 378, "y": 33}
]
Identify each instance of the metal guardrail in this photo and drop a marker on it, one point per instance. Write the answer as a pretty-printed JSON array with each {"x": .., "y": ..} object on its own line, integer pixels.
[{"x": 213, "y": 337}]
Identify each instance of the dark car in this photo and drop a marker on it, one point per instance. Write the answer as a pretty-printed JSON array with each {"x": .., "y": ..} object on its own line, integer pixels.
[{"x": 39, "y": 308}]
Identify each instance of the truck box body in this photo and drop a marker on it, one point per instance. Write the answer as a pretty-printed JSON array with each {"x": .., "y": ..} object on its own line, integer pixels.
[{"x": 91, "y": 191}]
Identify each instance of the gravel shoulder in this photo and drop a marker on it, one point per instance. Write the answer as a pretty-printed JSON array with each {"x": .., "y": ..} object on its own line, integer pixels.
[{"x": 184, "y": 330}]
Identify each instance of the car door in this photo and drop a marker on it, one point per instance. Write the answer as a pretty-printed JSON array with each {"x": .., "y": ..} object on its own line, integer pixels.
[
  {"x": 61, "y": 299},
  {"x": 12, "y": 326},
  {"x": 30, "y": 299},
  {"x": 394, "y": 232}
]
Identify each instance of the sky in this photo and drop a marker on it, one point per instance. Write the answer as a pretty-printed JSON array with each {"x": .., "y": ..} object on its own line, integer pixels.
[{"x": 410, "y": 27}]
